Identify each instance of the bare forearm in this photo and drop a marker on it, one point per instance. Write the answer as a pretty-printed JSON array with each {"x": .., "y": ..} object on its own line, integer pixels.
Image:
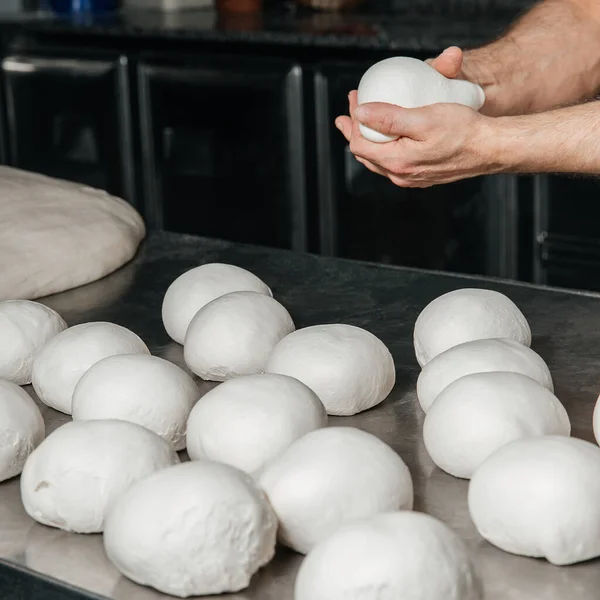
[
  {"x": 549, "y": 58},
  {"x": 565, "y": 140}
]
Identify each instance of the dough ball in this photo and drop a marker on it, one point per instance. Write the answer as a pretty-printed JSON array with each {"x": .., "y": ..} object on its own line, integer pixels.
[
  {"x": 479, "y": 413},
  {"x": 248, "y": 421},
  {"x": 140, "y": 388},
  {"x": 21, "y": 428},
  {"x": 194, "y": 529},
  {"x": 479, "y": 356},
  {"x": 67, "y": 356},
  {"x": 25, "y": 326},
  {"x": 596, "y": 420},
  {"x": 199, "y": 286},
  {"x": 538, "y": 497},
  {"x": 465, "y": 315},
  {"x": 349, "y": 368},
  {"x": 330, "y": 477},
  {"x": 408, "y": 555},
  {"x": 234, "y": 335},
  {"x": 70, "y": 480}
]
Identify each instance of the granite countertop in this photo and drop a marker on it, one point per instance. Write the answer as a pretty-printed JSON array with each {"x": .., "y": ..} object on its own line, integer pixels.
[{"x": 416, "y": 26}]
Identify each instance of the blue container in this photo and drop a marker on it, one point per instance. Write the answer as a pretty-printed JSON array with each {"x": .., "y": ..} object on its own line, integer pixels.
[{"x": 67, "y": 7}]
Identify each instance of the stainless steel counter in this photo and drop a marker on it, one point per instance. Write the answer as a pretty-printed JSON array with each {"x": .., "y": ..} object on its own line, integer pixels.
[{"x": 385, "y": 300}]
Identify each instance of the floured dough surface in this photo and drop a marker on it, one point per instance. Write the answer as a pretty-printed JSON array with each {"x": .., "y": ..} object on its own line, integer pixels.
[
  {"x": 479, "y": 356},
  {"x": 247, "y": 422},
  {"x": 349, "y": 368},
  {"x": 408, "y": 555},
  {"x": 234, "y": 335},
  {"x": 139, "y": 388},
  {"x": 197, "y": 287},
  {"x": 25, "y": 327},
  {"x": 56, "y": 235},
  {"x": 71, "y": 479},
  {"x": 465, "y": 315},
  {"x": 194, "y": 529},
  {"x": 538, "y": 497},
  {"x": 330, "y": 477},
  {"x": 22, "y": 428},
  {"x": 479, "y": 413},
  {"x": 60, "y": 364}
]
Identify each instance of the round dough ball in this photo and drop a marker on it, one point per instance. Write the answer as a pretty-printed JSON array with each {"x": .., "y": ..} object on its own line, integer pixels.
[
  {"x": 25, "y": 326},
  {"x": 194, "y": 529},
  {"x": 408, "y": 554},
  {"x": 234, "y": 335},
  {"x": 538, "y": 497},
  {"x": 596, "y": 420},
  {"x": 197, "y": 287},
  {"x": 479, "y": 413},
  {"x": 332, "y": 476},
  {"x": 139, "y": 388},
  {"x": 248, "y": 421},
  {"x": 67, "y": 356},
  {"x": 465, "y": 315},
  {"x": 349, "y": 368},
  {"x": 21, "y": 428},
  {"x": 71, "y": 479},
  {"x": 479, "y": 356}
]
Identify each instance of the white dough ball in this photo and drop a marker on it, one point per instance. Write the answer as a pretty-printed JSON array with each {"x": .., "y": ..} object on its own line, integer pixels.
[
  {"x": 25, "y": 326},
  {"x": 465, "y": 315},
  {"x": 349, "y": 368},
  {"x": 140, "y": 388},
  {"x": 332, "y": 476},
  {"x": 67, "y": 356},
  {"x": 71, "y": 479},
  {"x": 538, "y": 497},
  {"x": 197, "y": 528},
  {"x": 408, "y": 555},
  {"x": 481, "y": 412},
  {"x": 479, "y": 356},
  {"x": 22, "y": 428},
  {"x": 248, "y": 421},
  {"x": 596, "y": 420},
  {"x": 234, "y": 335},
  {"x": 197, "y": 287}
]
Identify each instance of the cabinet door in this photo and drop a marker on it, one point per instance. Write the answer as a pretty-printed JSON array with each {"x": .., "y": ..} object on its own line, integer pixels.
[
  {"x": 223, "y": 150},
  {"x": 567, "y": 231},
  {"x": 70, "y": 118},
  {"x": 469, "y": 226}
]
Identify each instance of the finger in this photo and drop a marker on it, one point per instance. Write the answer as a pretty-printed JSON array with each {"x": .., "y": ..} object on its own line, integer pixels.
[
  {"x": 449, "y": 62},
  {"x": 393, "y": 120},
  {"x": 344, "y": 124},
  {"x": 353, "y": 101}
]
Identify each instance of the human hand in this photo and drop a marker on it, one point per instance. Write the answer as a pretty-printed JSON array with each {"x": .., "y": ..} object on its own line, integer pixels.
[
  {"x": 439, "y": 143},
  {"x": 449, "y": 63}
]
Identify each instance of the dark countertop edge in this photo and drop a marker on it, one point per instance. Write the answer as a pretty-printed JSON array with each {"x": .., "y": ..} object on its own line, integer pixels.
[{"x": 38, "y": 585}]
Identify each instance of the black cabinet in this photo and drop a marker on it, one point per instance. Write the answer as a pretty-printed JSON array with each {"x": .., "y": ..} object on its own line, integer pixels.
[
  {"x": 567, "y": 231},
  {"x": 223, "y": 149},
  {"x": 469, "y": 226},
  {"x": 70, "y": 118}
]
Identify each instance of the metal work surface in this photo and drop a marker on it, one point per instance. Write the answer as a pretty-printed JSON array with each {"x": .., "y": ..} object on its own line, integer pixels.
[{"x": 384, "y": 300}]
